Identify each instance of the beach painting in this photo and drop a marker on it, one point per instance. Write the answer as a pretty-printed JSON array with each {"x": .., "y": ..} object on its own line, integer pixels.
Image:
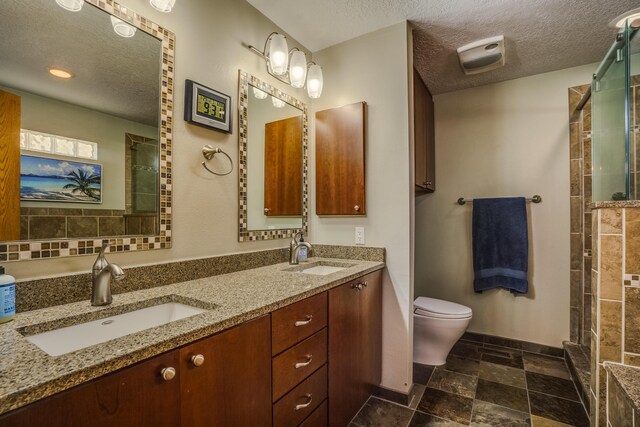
[{"x": 45, "y": 179}]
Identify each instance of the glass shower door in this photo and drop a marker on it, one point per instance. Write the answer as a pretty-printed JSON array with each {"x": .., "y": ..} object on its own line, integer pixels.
[{"x": 610, "y": 124}]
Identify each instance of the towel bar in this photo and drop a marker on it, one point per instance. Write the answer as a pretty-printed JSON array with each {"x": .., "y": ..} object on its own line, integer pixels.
[{"x": 535, "y": 199}]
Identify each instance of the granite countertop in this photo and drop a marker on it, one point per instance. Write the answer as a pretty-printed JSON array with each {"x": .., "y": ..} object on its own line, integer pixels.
[
  {"x": 27, "y": 373},
  {"x": 628, "y": 377}
]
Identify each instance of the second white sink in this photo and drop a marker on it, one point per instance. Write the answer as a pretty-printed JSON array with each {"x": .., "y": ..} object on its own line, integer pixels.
[
  {"x": 71, "y": 338},
  {"x": 322, "y": 270}
]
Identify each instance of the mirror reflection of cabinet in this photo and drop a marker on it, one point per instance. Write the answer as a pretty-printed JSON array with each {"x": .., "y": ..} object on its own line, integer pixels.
[
  {"x": 9, "y": 166},
  {"x": 340, "y": 168},
  {"x": 424, "y": 125},
  {"x": 283, "y": 167}
]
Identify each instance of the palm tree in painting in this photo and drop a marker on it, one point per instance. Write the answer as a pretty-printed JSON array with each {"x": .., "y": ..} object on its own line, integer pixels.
[{"x": 83, "y": 182}]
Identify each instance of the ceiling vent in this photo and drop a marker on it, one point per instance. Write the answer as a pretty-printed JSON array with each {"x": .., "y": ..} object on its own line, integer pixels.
[{"x": 482, "y": 55}]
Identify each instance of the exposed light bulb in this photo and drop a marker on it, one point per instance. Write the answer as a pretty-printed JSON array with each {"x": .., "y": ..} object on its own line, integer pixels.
[
  {"x": 298, "y": 69},
  {"x": 278, "y": 54},
  {"x": 163, "y": 5},
  {"x": 71, "y": 5},
  {"x": 278, "y": 103},
  {"x": 122, "y": 28},
  {"x": 314, "y": 81},
  {"x": 259, "y": 94}
]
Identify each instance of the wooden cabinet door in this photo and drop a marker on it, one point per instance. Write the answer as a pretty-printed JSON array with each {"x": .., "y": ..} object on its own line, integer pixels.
[
  {"x": 346, "y": 394},
  {"x": 371, "y": 331},
  {"x": 283, "y": 167},
  {"x": 233, "y": 385},
  {"x": 133, "y": 396},
  {"x": 424, "y": 136},
  {"x": 9, "y": 166},
  {"x": 340, "y": 165}
]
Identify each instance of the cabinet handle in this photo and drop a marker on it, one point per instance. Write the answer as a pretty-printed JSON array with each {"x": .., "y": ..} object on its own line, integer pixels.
[
  {"x": 197, "y": 360},
  {"x": 359, "y": 286},
  {"x": 267, "y": 210},
  {"x": 427, "y": 183},
  {"x": 303, "y": 364},
  {"x": 365, "y": 284},
  {"x": 168, "y": 373},
  {"x": 304, "y": 322},
  {"x": 357, "y": 208},
  {"x": 304, "y": 405}
]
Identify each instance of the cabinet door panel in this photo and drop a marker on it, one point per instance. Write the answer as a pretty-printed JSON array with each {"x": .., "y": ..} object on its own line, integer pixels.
[
  {"x": 295, "y": 322},
  {"x": 346, "y": 394},
  {"x": 371, "y": 332},
  {"x": 233, "y": 385},
  {"x": 9, "y": 166},
  {"x": 340, "y": 165},
  {"x": 424, "y": 135},
  {"x": 134, "y": 396},
  {"x": 300, "y": 402}
]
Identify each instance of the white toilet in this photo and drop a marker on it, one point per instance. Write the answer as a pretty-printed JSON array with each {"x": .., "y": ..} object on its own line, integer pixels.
[{"x": 437, "y": 326}]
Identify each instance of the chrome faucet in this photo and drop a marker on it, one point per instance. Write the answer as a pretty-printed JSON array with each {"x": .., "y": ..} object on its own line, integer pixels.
[
  {"x": 294, "y": 248},
  {"x": 102, "y": 273}
]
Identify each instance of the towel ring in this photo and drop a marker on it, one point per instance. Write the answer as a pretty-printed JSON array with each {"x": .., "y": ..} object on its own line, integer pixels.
[{"x": 209, "y": 153}]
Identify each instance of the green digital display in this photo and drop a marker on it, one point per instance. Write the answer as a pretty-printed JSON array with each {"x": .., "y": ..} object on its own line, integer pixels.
[{"x": 211, "y": 108}]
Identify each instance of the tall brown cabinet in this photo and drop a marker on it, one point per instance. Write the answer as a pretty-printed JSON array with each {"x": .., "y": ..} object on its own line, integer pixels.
[
  {"x": 9, "y": 166},
  {"x": 424, "y": 128}
]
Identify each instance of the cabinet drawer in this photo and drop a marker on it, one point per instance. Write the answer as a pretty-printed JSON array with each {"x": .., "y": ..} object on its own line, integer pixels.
[
  {"x": 319, "y": 417},
  {"x": 297, "y": 363},
  {"x": 300, "y": 402},
  {"x": 293, "y": 323}
]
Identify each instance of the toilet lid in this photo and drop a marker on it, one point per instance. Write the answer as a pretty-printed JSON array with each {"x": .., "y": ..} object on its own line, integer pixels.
[{"x": 439, "y": 308}]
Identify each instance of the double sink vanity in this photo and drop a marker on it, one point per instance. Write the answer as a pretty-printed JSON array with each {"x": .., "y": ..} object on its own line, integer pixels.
[{"x": 277, "y": 345}]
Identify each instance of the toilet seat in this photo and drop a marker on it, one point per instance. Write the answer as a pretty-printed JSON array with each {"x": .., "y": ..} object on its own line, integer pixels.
[{"x": 440, "y": 309}]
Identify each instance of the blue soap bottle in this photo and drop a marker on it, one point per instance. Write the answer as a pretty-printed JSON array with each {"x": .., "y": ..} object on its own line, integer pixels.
[
  {"x": 302, "y": 253},
  {"x": 7, "y": 297}
]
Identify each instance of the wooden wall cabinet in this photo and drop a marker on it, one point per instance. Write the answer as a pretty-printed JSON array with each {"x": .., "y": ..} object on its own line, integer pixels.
[
  {"x": 283, "y": 167},
  {"x": 340, "y": 165},
  {"x": 355, "y": 345},
  {"x": 9, "y": 166},
  {"x": 424, "y": 136}
]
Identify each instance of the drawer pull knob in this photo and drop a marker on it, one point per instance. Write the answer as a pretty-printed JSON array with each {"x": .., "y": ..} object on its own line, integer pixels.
[
  {"x": 168, "y": 373},
  {"x": 359, "y": 286},
  {"x": 305, "y": 405},
  {"x": 306, "y": 363},
  {"x": 304, "y": 322},
  {"x": 197, "y": 360},
  {"x": 356, "y": 208}
]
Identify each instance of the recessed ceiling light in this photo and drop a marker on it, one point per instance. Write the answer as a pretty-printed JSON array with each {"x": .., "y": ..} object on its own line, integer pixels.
[
  {"x": 71, "y": 5},
  {"x": 631, "y": 16},
  {"x": 60, "y": 73}
]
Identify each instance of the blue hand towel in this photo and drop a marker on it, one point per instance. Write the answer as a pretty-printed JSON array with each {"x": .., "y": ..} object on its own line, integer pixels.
[{"x": 500, "y": 244}]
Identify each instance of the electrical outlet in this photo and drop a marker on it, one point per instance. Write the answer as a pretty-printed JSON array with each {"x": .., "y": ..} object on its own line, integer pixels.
[{"x": 359, "y": 235}]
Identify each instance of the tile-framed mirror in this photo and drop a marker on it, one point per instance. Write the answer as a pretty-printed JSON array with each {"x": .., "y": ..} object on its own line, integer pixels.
[
  {"x": 90, "y": 144},
  {"x": 273, "y": 162}
]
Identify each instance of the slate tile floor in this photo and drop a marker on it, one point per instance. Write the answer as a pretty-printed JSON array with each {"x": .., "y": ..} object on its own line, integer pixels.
[{"x": 484, "y": 385}]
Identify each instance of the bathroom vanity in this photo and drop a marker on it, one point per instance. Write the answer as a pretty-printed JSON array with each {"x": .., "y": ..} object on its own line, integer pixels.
[{"x": 274, "y": 346}]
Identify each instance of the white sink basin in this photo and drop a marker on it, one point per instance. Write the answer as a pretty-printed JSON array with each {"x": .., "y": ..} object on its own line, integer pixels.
[
  {"x": 322, "y": 270},
  {"x": 72, "y": 338}
]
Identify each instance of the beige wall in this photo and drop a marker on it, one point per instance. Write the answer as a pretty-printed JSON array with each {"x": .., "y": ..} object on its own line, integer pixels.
[
  {"x": 373, "y": 68},
  {"x": 505, "y": 139},
  {"x": 48, "y": 115},
  {"x": 205, "y": 207}
]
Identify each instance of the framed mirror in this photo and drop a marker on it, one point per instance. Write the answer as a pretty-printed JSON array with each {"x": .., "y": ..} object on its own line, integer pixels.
[
  {"x": 86, "y": 104},
  {"x": 273, "y": 145}
]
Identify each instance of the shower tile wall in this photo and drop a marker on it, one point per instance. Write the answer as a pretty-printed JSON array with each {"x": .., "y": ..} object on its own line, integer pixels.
[
  {"x": 580, "y": 176},
  {"x": 615, "y": 330}
]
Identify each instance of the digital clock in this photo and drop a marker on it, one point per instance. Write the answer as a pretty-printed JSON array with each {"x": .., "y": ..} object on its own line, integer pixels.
[{"x": 207, "y": 107}]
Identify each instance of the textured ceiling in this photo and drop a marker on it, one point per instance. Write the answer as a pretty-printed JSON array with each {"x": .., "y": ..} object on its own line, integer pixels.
[
  {"x": 540, "y": 35},
  {"x": 114, "y": 75}
]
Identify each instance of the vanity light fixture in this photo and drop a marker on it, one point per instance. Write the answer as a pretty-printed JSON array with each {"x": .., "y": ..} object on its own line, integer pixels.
[
  {"x": 259, "y": 94},
  {"x": 71, "y": 5},
  {"x": 57, "y": 72},
  {"x": 290, "y": 66},
  {"x": 163, "y": 5},
  {"x": 122, "y": 28},
  {"x": 278, "y": 103}
]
